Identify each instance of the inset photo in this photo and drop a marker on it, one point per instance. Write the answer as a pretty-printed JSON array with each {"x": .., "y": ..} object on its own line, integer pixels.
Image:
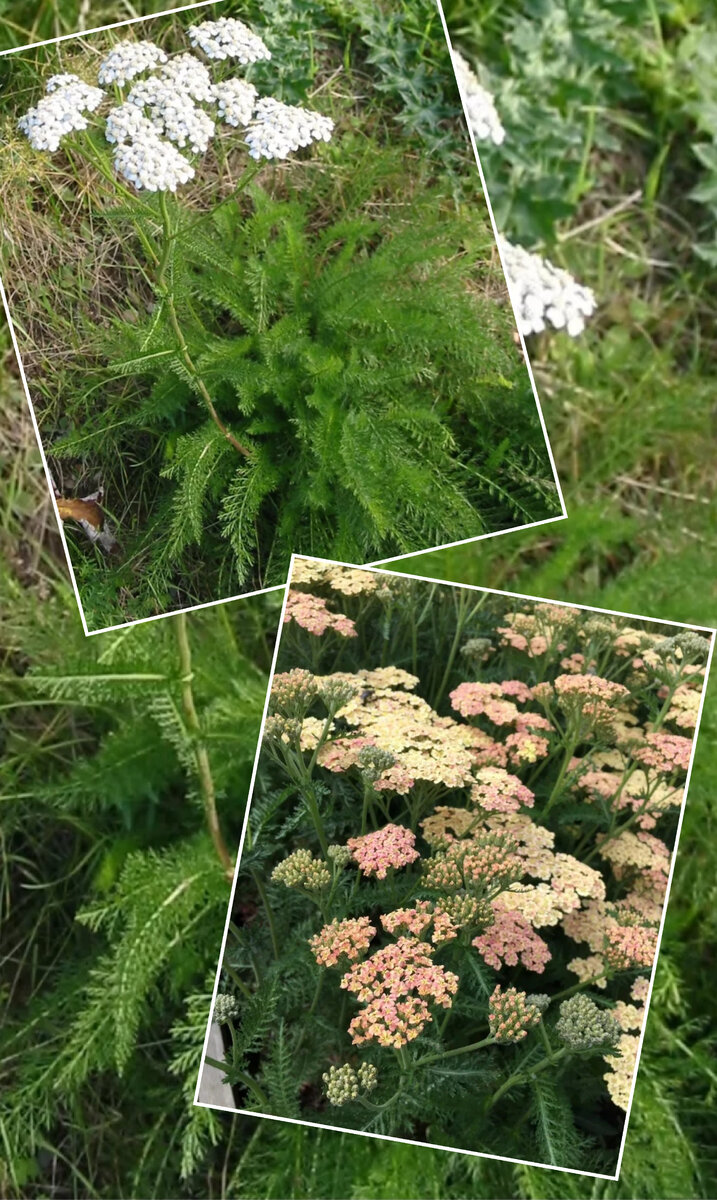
[
  {"x": 257, "y": 298},
  {"x": 454, "y": 868}
]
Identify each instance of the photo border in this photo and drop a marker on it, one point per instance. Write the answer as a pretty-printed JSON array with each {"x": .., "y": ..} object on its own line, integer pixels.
[
  {"x": 703, "y": 629},
  {"x": 562, "y": 516}
]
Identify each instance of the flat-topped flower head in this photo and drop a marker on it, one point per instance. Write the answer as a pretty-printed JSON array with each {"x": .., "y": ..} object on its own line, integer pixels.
[
  {"x": 510, "y": 939},
  {"x": 496, "y": 790},
  {"x": 228, "y": 38},
  {"x": 390, "y": 847},
  {"x": 278, "y": 130},
  {"x": 151, "y": 164},
  {"x": 397, "y": 985},
  {"x": 582, "y": 1025},
  {"x": 312, "y": 613},
  {"x": 348, "y": 939},
  {"x": 511, "y": 1015},
  {"x": 60, "y": 112},
  {"x": 481, "y": 112},
  {"x": 126, "y": 60},
  {"x": 127, "y": 123},
  {"x": 664, "y": 752},
  {"x": 545, "y": 295},
  {"x": 187, "y": 73},
  {"x": 236, "y": 101},
  {"x": 173, "y": 113}
]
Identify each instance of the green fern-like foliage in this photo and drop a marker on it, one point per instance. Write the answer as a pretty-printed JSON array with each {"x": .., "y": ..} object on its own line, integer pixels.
[{"x": 376, "y": 387}]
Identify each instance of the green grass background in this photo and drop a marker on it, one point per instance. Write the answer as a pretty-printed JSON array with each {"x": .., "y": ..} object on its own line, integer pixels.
[{"x": 630, "y": 411}]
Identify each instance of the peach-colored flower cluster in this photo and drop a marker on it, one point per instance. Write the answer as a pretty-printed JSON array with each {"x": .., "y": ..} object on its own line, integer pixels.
[
  {"x": 342, "y": 939},
  {"x": 510, "y": 939},
  {"x": 484, "y": 699},
  {"x": 630, "y": 946},
  {"x": 397, "y": 985},
  {"x": 482, "y": 864},
  {"x": 525, "y": 747},
  {"x": 448, "y": 916},
  {"x": 642, "y": 851},
  {"x": 665, "y": 752},
  {"x": 533, "y": 843},
  {"x": 623, "y": 786},
  {"x": 496, "y": 790},
  {"x": 409, "y": 920},
  {"x": 537, "y": 632},
  {"x": 312, "y": 613},
  {"x": 445, "y": 824},
  {"x": 376, "y": 853},
  {"x": 511, "y": 1015}
]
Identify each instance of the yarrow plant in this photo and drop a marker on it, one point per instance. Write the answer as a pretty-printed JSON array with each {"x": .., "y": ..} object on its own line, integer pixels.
[{"x": 506, "y": 919}]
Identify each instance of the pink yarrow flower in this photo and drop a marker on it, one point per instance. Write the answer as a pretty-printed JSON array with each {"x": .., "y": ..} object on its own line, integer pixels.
[
  {"x": 342, "y": 939},
  {"x": 392, "y": 846}
]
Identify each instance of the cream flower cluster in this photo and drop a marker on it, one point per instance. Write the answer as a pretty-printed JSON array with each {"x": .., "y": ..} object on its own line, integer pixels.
[
  {"x": 60, "y": 112},
  {"x": 228, "y": 38},
  {"x": 544, "y": 294},
  {"x": 129, "y": 59},
  {"x": 279, "y": 129}
]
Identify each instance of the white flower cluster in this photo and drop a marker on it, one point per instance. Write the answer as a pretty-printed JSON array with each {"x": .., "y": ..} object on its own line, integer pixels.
[
  {"x": 126, "y": 123},
  {"x": 228, "y": 38},
  {"x": 278, "y": 129},
  {"x": 236, "y": 101},
  {"x": 480, "y": 106},
  {"x": 545, "y": 294},
  {"x": 127, "y": 59},
  {"x": 60, "y": 112},
  {"x": 150, "y": 162},
  {"x": 188, "y": 73},
  {"x": 173, "y": 113}
]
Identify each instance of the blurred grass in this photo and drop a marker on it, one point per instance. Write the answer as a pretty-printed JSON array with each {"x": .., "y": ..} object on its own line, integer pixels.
[{"x": 630, "y": 411}]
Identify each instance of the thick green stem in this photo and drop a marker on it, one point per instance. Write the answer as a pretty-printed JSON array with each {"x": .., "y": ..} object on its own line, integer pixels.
[
  {"x": 487, "y": 1041},
  {"x": 268, "y": 910},
  {"x": 522, "y": 1077},
  {"x": 201, "y": 756},
  {"x": 242, "y": 1077}
]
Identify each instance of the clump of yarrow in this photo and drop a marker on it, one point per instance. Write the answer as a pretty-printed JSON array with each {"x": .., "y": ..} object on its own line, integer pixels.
[
  {"x": 545, "y": 295},
  {"x": 161, "y": 114},
  {"x": 481, "y": 113}
]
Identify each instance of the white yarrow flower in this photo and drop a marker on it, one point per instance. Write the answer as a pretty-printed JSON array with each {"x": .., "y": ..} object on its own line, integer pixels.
[
  {"x": 152, "y": 164},
  {"x": 545, "y": 294},
  {"x": 236, "y": 101},
  {"x": 128, "y": 59},
  {"x": 173, "y": 113},
  {"x": 127, "y": 123},
  {"x": 228, "y": 38},
  {"x": 481, "y": 112},
  {"x": 60, "y": 112},
  {"x": 189, "y": 74},
  {"x": 278, "y": 129}
]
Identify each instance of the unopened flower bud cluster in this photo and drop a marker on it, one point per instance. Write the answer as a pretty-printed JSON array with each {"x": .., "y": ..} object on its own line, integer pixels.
[
  {"x": 302, "y": 870},
  {"x": 344, "y": 1084},
  {"x": 584, "y": 1026},
  {"x": 226, "y": 1007}
]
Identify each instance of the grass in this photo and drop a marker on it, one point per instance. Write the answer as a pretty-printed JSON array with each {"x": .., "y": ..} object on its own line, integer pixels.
[{"x": 629, "y": 408}]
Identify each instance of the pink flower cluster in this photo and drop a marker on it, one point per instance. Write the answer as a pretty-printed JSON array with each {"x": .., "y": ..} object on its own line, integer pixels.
[
  {"x": 392, "y": 846},
  {"x": 498, "y": 791},
  {"x": 396, "y": 985},
  {"x": 510, "y": 938},
  {"x": 312, "y": 613},
  {"x": 484, "y": 699},
  {"x": 411, "y": 920},
  {"x": 666, "y": 752},
  {"x": 590, "y": 687},
  {"x": 342, "y": 939},
  {"x": 525, "y": 747},
  {"x": 510, "y": 1015}
]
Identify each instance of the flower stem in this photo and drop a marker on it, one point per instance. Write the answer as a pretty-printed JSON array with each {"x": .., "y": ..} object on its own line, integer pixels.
[
  {"x": 522, "y": 1077},
  {"x": 165, "y": 291},
  {"x": 486, "y": 1041},
  {"x": 201, "y": 756}
]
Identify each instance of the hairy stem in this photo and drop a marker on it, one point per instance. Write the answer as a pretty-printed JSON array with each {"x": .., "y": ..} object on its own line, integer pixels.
[{"x": 201, "y": 756}]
